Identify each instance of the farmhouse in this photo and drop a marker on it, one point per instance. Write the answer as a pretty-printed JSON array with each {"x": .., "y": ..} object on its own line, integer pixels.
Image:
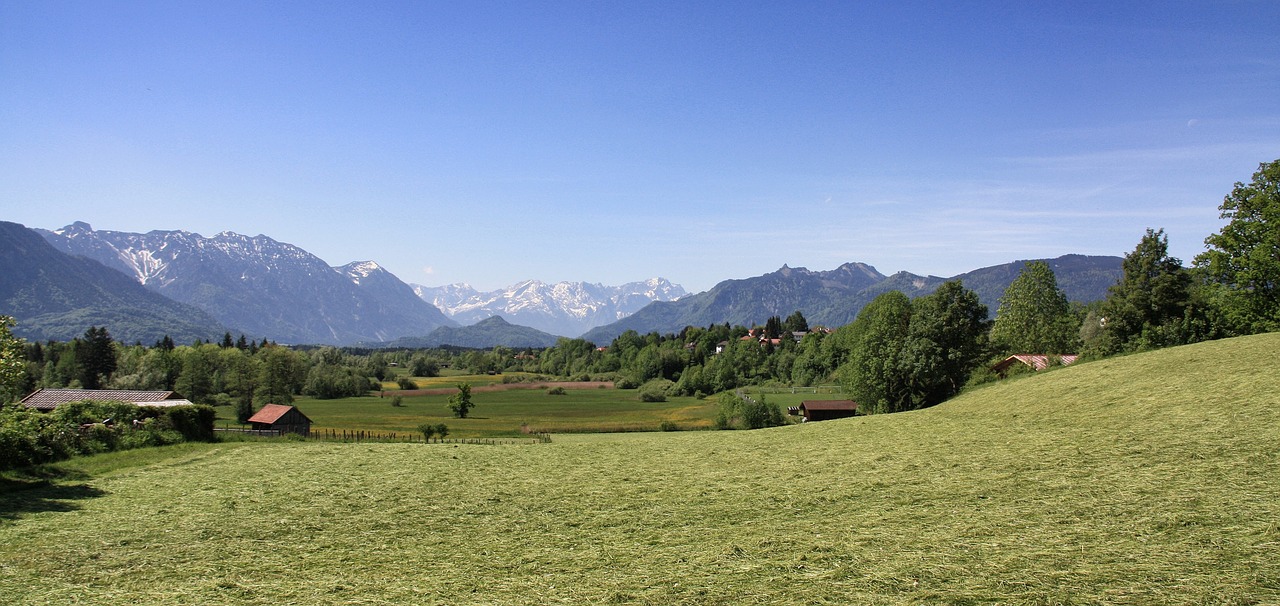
[
  {"x": 1035, "y": 361},
  {"x": 45, "y": 400},
  {"x": 823, "y": 410},
  {"x": 281, "y": 418}
]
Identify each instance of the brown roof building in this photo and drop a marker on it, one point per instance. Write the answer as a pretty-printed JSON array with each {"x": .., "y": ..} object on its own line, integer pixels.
[
  {"x": 1037, "y": 362},
  {"x": 824, "y": 410},
  {"x": 281, "y": 418},
  {"x": 49, "y": 399}
]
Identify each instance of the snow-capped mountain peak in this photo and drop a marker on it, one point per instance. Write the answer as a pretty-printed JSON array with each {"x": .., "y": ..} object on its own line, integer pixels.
[
  {"x": 359, "y": 270},
  {"x": 563, "y": 308},
  {"x": 260, "y": 285}
]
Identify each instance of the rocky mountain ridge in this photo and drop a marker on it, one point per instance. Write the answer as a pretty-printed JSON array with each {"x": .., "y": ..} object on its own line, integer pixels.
[
  {"x": 57, "y": 296},
  {"x": 260, "y": 285}
]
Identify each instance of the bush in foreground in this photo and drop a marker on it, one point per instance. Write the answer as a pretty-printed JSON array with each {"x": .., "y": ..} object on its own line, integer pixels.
[{"x": 80, "y": 428}]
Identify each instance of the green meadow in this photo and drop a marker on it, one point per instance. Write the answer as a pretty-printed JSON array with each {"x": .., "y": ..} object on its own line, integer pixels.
[
  {"x": 1147, "y": 479},
  {"x": 518, "y": 409},
  {"x": 509, "y": 413}
]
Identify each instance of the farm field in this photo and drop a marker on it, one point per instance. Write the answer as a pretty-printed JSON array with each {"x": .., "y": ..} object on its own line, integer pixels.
[
  {"x": 503, "y": 413},
  {"x": 1148, "y": 479}
]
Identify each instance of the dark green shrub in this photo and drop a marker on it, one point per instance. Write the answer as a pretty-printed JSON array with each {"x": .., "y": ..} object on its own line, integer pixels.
[
  {"x": 423, "y": 367},
  {"x": 151, "y": 432},
  {"x": 556, "y": 391},
  {"x": 92, "y": 411},
  {"x": 656, "y": 390},
  {"x": 30, "y": 438},
  {"x": 219, "y": 399},
  {"x": 195, "y": 423},
  {"x": 244, "y": 410},
  {"x": 653, "y": 395}
]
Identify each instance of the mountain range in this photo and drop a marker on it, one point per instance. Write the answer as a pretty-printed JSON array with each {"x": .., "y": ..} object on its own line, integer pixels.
[
  {"x": 58, "y": 296},
  {"x": 564, "y": 308},
  {"x": 188, "y": 286},
  {"x": 834, "y": 298},
  {"x": 260, "y": 286}
]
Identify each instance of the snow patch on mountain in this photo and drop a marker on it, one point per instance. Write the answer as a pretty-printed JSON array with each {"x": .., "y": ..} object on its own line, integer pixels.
[{"x": 360, "y": 270}]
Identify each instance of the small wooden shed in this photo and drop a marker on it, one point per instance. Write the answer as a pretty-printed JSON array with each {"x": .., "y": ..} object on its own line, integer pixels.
[
  {"x": 281, "y": 418},
  {"x": 823, "y": 410}
]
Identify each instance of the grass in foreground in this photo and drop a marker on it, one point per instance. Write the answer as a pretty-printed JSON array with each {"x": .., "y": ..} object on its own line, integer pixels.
[{"x": 1151, "y": 479}]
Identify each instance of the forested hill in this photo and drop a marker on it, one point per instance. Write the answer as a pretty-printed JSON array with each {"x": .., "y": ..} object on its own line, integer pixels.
[
  {"x": 485, "y": 334},
  {"x": 1082, "y": 278},
  {"x": 54, "y": 295},
  {"x": 834, "y": 298}
]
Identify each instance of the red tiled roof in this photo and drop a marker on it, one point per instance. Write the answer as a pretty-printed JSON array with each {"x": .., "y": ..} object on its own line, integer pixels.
[
  {"x": 48, "y": 399},
  {"x": 1036, "y": 361},
  {"x": 270, "y": 413}
]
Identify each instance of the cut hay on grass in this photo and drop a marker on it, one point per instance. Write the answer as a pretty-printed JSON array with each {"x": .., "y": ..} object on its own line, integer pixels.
[{"x": 1150, "y": 479}]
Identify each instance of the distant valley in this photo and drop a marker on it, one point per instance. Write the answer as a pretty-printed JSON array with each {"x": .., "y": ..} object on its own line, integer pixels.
[{"x": 189, "y": 286}]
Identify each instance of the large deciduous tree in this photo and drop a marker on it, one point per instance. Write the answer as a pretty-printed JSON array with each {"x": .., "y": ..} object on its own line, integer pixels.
[
  {"x": 1243, "y": 259},
  {"x": 874, "y": 373},
  {"x": 947, "y": 340},
  {"x": 280, "y": 375},
  {"x": 1034, "y": 315},
  {"x": 460, "y": 403}
]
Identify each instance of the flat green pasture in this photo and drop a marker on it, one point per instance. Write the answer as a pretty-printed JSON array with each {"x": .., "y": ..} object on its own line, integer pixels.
[
  {"x": 508, "y": 413},
  {"x": 448, "y": 378},
  {"x": 1149, "y": 479}
]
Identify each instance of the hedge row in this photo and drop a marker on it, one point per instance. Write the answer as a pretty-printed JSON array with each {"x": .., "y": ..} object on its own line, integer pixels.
[{"x": 79, "y": 428}]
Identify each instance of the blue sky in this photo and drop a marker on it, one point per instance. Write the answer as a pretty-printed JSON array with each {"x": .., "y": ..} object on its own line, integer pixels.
[{"x": 609, "y": 142}]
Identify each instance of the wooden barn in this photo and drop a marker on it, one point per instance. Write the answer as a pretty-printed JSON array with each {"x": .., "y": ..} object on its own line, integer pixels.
[
  {"x": 47, "y": 399},
  {"x": 281, "y": 418},
  {"x": 823, "y": 410}
]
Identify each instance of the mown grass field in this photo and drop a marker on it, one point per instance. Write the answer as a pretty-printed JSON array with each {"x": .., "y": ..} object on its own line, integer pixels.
[{"x": 1150, "y": 479}]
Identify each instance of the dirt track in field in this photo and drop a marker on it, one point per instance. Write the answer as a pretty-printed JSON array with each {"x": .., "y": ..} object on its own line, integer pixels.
[{"x": 445, "y": 391}]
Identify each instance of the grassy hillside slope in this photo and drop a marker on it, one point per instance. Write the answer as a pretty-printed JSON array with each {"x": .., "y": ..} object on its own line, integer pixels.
[{"x": 1150, "y": 479}]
